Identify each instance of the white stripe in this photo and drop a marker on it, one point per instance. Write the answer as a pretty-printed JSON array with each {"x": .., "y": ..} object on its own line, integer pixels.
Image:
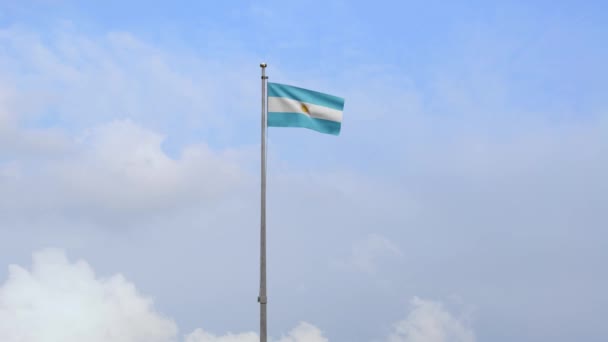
[{"x": 282, "y": 104}]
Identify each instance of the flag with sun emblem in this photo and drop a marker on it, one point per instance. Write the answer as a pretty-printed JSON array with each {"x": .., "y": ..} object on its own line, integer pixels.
[{"x": 290, "y": 106}]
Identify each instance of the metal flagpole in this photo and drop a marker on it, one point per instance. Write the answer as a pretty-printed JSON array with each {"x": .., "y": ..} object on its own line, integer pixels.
[{"x": 262, "y": 299}]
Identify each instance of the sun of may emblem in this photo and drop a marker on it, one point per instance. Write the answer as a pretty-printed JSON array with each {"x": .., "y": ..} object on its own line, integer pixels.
[{"x": 305, "y": 108}]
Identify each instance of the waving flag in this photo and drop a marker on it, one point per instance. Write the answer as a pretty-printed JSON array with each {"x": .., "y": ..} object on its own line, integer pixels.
[{"x": 290, "y": 106}]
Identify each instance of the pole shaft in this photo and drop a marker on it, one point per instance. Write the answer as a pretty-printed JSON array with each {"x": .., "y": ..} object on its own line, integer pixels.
[{"x": 262, "y": 299}]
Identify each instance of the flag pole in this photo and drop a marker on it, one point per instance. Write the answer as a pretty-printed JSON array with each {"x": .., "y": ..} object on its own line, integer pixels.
[{"x": 262, "y": 299}]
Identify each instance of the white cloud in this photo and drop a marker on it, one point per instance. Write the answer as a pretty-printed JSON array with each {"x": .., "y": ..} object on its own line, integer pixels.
[
  {"x": 61, "y": 301},
  {"x": 120, "y": 168},
  {"x": 303, "y": 332},
  {"x": 119, "y": 91},
  {"x": 429, "y": 321},
  {"x": 199, "y": 335}
]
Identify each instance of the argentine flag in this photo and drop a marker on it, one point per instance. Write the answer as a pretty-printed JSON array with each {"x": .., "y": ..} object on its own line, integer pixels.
[{"x": 290, "y": 106}]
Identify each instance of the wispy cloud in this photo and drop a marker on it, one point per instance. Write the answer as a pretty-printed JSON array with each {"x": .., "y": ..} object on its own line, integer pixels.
[
  {"x": 64, "y": 78},
  {"x": 367, "y": 253}
]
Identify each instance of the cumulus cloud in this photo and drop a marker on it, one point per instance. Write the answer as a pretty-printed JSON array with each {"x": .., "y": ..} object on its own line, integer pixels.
[
  {"x": 58, "y": 300},
  {"x": 303, "y": 332},
  {"x": 120, "y": 168},
  {"x": 429, "y": 321},
  {"x": 199, "y": 335},
  {"x": 63, "y": 301}
]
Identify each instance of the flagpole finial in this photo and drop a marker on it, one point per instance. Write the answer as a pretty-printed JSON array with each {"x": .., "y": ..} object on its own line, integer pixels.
[{"x": 263, "y": 65}]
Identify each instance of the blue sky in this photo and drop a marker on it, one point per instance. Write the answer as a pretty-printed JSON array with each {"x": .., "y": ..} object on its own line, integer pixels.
[{"x": 465, "y": 199}]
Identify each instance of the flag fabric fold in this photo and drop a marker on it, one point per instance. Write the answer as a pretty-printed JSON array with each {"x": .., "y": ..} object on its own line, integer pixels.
[{"x": 290, "y": 106}]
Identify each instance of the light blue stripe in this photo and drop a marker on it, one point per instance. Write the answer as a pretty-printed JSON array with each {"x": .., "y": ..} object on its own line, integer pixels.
[
  {"x": 305, "y": 95},
  {"x": 281, "y": 119}
]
